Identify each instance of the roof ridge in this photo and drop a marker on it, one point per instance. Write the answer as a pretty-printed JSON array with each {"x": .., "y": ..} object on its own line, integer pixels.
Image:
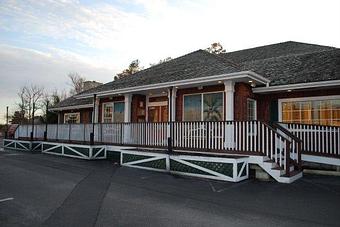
[
  {"x": 293, "y": 55},
  {"x": 223, "y": 59},
  {"x": 279, "y": 43},
  {"x": 166, "y": 62}
]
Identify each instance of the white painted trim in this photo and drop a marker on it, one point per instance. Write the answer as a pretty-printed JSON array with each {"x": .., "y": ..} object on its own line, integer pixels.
[
  {"x": 306, "y": 98},
  {"x": 328, "y": 83},
  {"x": 202, "y": 105},
  {"x": 78, "y": 113},
  {"x": 320, "y": 159},
  {"x": 161, "y": 103},
  {"x": 72, "y": 107},
  {"x": 201, "y": 80},
  {"x": 255, "y": 106},
  {"x": 113, "y": 107}
]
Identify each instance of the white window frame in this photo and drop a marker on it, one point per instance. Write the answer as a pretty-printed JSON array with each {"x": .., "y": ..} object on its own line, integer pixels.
[
  {"x": 77, "y": 113},
  {"x": 202, "y": 106},
  {"x": 311, "y": 98},
  {"x": 255, "y": 107},
  {"x": 113, "y": 108}
]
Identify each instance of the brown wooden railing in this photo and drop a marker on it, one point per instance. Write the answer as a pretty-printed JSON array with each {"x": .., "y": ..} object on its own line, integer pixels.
[
  {"x": 244, "y": 137},
  {"x": 316, "y": 139}
]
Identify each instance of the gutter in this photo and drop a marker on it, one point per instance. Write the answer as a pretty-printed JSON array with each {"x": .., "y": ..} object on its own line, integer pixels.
[
  {"x": 72, "y": 107},
  {"x": 230, "y": 76},
  {"x": 328, "y": 83}
]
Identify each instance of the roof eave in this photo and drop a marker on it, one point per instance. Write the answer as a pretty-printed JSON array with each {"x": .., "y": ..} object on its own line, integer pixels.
[
  {"x": 228, "y": 76},
  {"x": 328, "y": 83},
  {"x": 85, "y": 106}
]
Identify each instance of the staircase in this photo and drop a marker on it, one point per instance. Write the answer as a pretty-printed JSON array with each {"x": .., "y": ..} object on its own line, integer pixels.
[{"x": 283, "y": 163}]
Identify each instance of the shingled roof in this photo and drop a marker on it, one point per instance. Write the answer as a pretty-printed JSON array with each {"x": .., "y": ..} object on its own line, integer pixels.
[
  {"x": 290, "y": 62},
  {"x": 72, "y": 101},
  {"x": 299, "y": 68},
  {"x": 274, "y": 50},
  {"x": 199, "y": 63},
  {"x": 196, "y": 64},
  {"x": 281, "y": 63}
]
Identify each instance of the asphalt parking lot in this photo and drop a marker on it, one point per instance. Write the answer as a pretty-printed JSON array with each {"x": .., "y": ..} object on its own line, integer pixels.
[{"x": 45, "y": 190}]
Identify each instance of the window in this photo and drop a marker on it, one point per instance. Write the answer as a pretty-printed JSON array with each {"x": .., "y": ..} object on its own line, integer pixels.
[
  {"x": 207, "y": 107},
  {"x": 324, "y": 111},
  {"x": 251, "y": 109},
  {"x": 107, "y": 112},
  {"x": 72, "y": 118},
  {"x": 113, "y": 112},
  {"x": 118, "y": 114},
  {"x": 192, "y": 107}
]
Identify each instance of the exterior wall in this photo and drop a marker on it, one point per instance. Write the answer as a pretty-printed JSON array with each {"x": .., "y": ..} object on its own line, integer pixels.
[
  {"x": 110, "y": 99},
  {"x": 267, "y": 103},
  {"x": 138, "y": 108},
  {"x": 242, "y": 93},
  {"x": 182, "y": 92},
  {"x": 85, "y": 115}
]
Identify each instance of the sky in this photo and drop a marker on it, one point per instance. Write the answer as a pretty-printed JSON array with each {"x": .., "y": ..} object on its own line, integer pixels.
[{"x": 42, "y": 41}]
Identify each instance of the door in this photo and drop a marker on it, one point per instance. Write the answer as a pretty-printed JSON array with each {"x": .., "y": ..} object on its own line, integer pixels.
[{"x": 158, "y": 113}]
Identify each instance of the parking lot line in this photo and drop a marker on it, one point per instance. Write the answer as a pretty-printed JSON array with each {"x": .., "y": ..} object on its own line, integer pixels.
[{"x": 6, "y": 199}]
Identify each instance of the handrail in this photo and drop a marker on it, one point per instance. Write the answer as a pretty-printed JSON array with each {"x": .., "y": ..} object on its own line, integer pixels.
[
  {"x": 286, "y": 131},
  {"x": 287, "y": 123}
]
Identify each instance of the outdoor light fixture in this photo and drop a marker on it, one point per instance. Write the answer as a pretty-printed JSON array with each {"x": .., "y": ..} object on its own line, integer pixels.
[
  {"x": 200, "y": 87},
  {"x": 220, "y": 81},
  {"x": 289, "y": 90}
]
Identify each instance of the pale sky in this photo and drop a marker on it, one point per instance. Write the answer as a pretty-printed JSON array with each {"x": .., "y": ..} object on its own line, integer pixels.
[{"x": 42, "y": 41}]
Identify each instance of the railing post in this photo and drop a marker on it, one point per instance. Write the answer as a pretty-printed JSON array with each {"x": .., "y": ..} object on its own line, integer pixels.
[
  {"x": 93, "y": 119},
  {"x": 121, "y": 133},
  {"x": 57, "y": 133},
  {"x": 170, "y": 125},
  {"x": 287, "y": 157},
  {"x": 208, "y": 135},
  {"x": 69, "y": 132},
  {"x": 299, "y": 155}
]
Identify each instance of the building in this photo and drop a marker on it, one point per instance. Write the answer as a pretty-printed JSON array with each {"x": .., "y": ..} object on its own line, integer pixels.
[{"x": 228, "y": 103}]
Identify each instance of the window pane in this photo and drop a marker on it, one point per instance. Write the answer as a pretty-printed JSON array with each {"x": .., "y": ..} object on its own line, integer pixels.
[
  {"x": 192, "y": 108},
  {"x": 251, "y": 109},
  {"x": 107, "y": 116},
  {"x": 324, "y": 112},
  {"x": 213, "y": 107},
  {"x": 118, "y": 115}
]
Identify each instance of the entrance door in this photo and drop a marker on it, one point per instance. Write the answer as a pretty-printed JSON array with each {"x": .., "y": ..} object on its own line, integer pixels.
[{"x": 158, "y": 113}]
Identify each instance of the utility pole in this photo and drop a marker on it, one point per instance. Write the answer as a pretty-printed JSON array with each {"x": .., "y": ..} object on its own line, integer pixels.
[
  {"x": 32, "y": 115},
  {"x": 6, "y": 132},
  {"x": 46, "y": 121}
]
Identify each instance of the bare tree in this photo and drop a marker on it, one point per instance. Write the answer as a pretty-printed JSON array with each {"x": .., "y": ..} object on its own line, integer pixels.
[
  {"x": 77, "y": 83},
  {"x": 22, "y": 104},
  {"x": 33, "y": 96},
  {"x": 216, "y": 48}
]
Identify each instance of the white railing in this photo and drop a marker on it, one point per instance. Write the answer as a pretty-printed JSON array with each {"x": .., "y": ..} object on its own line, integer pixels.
[
  {"x": 247, "y": 137},
  {"x": 317, "y": 139}
]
